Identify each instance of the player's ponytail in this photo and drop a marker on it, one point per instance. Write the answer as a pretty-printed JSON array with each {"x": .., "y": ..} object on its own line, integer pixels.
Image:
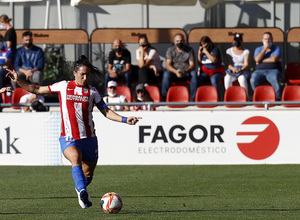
[
  {"x": 84, "y": 61},
  {"x": 95, "y": 74}
]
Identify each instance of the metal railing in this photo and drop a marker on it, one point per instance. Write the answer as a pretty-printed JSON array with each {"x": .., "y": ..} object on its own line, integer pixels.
[{"x": 265, "y": 104}]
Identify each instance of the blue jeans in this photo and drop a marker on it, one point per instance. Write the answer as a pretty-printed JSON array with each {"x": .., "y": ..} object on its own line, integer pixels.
[
  {"x": 214, "y": 79},
  {"x": 273, "y": 76},
  {"x": 169, "y": 77},
  {"x": 125, "y": 77}
]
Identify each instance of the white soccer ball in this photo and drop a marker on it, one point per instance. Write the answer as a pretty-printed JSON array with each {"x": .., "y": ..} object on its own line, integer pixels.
[{"x": 111, "y": 202}]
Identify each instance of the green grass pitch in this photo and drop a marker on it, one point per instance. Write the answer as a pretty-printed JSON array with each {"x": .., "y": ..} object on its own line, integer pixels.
[{"x": 155, "y": 192}]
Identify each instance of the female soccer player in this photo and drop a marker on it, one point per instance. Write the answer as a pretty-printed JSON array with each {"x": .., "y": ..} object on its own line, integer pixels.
[{"x": 78, "y": 139}]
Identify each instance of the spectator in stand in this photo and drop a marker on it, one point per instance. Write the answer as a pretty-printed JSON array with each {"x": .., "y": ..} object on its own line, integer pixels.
[
  {"x": 180, "y": 65},
  {"x": 6, "y": 60},
  {"x": 238, "y": 63},
  {"x": 5, "y": 89},
  {"x": 268, "y": 64},
  {"x": 142, "y": 95},
  {"x": 29, "y": 61},
  {"x": 119, "y": 64},
  {"x": 30, "y": 98},
  {"x": 210, "y": 61},
  {"x": 149, "y": 63},
  {"x": 2, "y": 90},
  {"x": 113, "y": 97},
  {"x": 10, "y": 35}
]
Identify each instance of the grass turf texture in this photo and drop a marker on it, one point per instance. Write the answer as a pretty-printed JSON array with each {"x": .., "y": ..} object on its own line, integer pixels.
[{"x": 155, "y": 192}]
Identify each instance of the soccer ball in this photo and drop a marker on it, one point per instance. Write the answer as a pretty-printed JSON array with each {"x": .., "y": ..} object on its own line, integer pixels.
[{"x": 111, "y": 202}]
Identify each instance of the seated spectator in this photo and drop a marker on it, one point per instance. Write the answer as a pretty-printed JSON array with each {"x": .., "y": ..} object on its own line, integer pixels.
[
  {"x": 180, "y": 65},
  {"x": 238, "y": 63},
  {"x": 268, "y": 65},
  {"x": 142, "y": 95},
  {"x": 149, "y": 63},
  {"x": 29, "y": 61},
  {"x": 113, "y": 97},
  {"x": 210, "y": 61},
  {"x": 5, "y": 89},
  {"x": 32, "y": 98},
  {"x": 119, "y": 64},
  {"x": 6, "y": 60},
  {"x": 2, "y": 90}
]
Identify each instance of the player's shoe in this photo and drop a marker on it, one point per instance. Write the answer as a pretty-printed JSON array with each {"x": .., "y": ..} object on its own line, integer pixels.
[{"x": 84, "y": 199}]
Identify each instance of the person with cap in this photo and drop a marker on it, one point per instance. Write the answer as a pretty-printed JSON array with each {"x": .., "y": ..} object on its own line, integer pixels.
[
  {"x": 268, "y": 65},
  {"x": 113, "y": 97},
  {"x": 142, "y": 95},
  {"x": 10, "y": 36},
  {"x": 238, "y": 64},
  {"x": 210, "y": 62},
  {"x": 119, "y": 64}
]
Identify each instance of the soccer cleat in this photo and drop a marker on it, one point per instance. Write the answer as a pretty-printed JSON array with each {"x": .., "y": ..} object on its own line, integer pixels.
[{"x": 84, "y": 199}]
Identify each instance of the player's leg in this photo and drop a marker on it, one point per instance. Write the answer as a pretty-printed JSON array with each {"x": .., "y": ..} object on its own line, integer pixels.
[
  {"x": 88, "y": 168},
  {"x": 74, "y": 155},
  {"x": 89, "y": 147}
]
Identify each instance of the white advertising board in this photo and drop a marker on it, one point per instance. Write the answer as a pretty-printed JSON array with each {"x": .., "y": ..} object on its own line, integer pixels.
[
  {"x": 161, "y": 137},
  {"x": 202, "y": 137},
  {"x": 29, "y": 139}
]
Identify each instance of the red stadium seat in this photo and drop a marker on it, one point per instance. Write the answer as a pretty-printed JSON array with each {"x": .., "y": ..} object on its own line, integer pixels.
[
  {"x": 178, "y": 94},
  {"x": 16, "y": 96},
  {"x": 235, "y": 94},
  {"x": 5, "y": 97},
  {"x": 124, "y": 90},
  {"x": 291, "y": 93},
  {"x": 206, "y": 94},
  {"x": 292, "y": 73},
  {"x": 154, "y": 93},
  {"x": 264, "y": 93}
]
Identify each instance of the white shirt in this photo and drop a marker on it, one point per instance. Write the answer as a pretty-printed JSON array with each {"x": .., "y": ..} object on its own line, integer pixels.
[
  {"x": 237, "y": 60},
  {"x": 151, "y": 55},
  {"x": 115, "y": 99},
  {"x": 25, "y": 98}
]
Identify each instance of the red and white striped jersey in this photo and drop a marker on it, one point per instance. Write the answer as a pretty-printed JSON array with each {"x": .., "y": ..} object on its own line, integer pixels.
[{"x": 76, "y": 106}]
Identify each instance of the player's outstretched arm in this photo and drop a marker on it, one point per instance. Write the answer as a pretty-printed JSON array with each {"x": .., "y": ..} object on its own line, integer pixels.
[
  {"x": 110, "y": 114},
  {"x": 30, "y": 87}
]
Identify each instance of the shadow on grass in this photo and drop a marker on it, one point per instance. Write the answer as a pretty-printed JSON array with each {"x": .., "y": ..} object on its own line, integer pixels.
[
  {"x": 207, "y": 210},
  {"x": 72, "y": 197}
]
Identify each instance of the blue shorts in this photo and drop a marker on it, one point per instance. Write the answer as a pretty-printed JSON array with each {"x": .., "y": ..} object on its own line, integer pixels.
[{"x": 88, "y": 147}]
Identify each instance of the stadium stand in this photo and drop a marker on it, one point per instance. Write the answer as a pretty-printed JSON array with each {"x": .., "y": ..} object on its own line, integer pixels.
[
  {"x": 291, "y": 93},
  {"x": 178, "y": 94},
  {"x": 292, "y": 73},
  {"x": 264, "y": 93},
  {"x": 16, "y": 96},
  {"x": 206, "y": 94},
  {"x": 154, "y": 93},
  {"x": 235, "y": 94},
  {"x": 124, "y": 90}
]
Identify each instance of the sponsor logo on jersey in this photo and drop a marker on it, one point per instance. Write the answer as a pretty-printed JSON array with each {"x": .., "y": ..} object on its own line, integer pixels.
[{"x": 78, "y": 98}]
